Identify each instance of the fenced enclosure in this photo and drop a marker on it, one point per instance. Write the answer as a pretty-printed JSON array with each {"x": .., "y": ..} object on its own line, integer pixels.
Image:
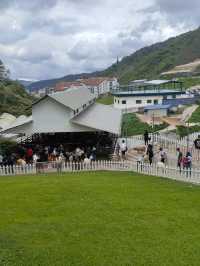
[{"x": 187, "y": 175}]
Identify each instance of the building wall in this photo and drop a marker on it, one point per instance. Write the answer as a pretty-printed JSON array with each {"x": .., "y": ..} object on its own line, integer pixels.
[
  {"x": 50, "y": 116},
  {"x": 157, "y": 113},
  {"x": 131, "y": 101}
]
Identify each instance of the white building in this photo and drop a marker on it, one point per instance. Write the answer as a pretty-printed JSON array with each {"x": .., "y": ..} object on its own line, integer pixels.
[
  {"x": 73, "y": 110},
  {"x": 100, "y": 85},
  {"x": 151, "y": 93}
]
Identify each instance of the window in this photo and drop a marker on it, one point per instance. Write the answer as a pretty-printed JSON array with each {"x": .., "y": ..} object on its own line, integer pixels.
[
  {"x": 155, "y": 101},
  {"x": 173, "y": 96},
  {"x": 149, "y": 101},
  {"x": 118, "y": 101},
  {"x": 138, "y": 101},
  {"x": 124, "y": 102}
]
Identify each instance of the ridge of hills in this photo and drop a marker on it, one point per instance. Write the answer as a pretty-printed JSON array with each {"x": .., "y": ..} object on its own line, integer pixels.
[{"x": 148, "y": 62}]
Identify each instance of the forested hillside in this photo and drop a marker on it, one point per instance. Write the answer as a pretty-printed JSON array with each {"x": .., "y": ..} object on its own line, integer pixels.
[{"x": 14, "y": 99}]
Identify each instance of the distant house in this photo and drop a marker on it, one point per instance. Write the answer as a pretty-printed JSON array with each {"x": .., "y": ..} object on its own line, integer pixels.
[
  {"x": 100, "y": 85},
  {"x": 66, "y": 85},
  {"x": 97, "y": 86},
  {"x": 158, "y": 110},
  {"x": 155, "y": 92}
]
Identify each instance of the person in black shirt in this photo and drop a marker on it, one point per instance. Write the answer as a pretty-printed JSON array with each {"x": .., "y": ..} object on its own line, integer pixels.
[
  {"x": 197, "y": 143},
  {"x": 146, "y": 137},
  {"x": 179, "y": 159},
  {"x": 197, "y": 146}
]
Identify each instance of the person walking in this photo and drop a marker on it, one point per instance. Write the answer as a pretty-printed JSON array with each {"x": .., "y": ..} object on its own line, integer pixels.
[
  {"x": 150, "y": 153},
  {"x": 146, "y": 138},
  {"x": 187, "y": 163},
  {"x": 179, "y": 159}
]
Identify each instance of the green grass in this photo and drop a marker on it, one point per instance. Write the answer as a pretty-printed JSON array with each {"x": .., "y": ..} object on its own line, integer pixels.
[
  {"x": 104, "y": 218},
  {"x": 131, "y": 125},
  {"x": 107, "y": 100},
  {"x": 195, "y": 118}
]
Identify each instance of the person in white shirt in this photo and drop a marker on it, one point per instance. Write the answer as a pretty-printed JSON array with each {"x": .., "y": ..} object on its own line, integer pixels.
[{"x": 123, "y": 148}]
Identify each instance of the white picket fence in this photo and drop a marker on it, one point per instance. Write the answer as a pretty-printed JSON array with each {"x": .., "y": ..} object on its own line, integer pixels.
[
  {"x": 167, "y": 143},
  {"x": 187, "y": 175}
]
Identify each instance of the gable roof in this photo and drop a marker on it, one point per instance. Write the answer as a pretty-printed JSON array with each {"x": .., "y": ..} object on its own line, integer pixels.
[
  {"x": 101, "y": 117},
  {"x": 72, "y": 98},
  {"x": 61, "y": 86},
  {"x": 94, "y": 82}
]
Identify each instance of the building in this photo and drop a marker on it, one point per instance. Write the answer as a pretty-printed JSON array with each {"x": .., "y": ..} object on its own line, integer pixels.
[
  {"x": 96, "y": 85},
  {"x": 42, "y": 92},
  {"x": 66, "y": 85},
  {"x": 100, "y": 85},
  {"x": 157, "y": 110},
  {"x": 155, "y": 92},
  {"x": 70, "y": 111}
]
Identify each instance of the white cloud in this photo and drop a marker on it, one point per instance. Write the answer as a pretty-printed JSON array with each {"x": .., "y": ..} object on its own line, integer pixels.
[{"x": 44, "y": 39}]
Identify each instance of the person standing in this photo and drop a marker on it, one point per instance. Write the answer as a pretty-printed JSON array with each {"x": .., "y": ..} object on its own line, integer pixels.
[
  {"x": 197, "y": 146},
  {"x": 123, "y": 148},
  {"x": 146, "y": 137},
  {"x": 179, "y": 159},
  {"x": 163, "y": 156}
]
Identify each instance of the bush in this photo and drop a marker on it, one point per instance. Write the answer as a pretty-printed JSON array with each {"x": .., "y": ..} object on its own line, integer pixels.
[{"x": 7, "y": 147}]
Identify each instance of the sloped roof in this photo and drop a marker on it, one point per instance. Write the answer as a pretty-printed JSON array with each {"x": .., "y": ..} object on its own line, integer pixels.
[
  {"x": 101, "y": 117},
  {"x": 6, "y": 119},
  {"x": 95, "y": 81},
  {"x": 61, "y": 86},
  {"x": 21, "y": 120},
  {"x": 72, "y": 98}
]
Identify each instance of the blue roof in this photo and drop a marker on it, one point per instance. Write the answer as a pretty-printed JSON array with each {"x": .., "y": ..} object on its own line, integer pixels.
[{"x": 157, "y": 106}]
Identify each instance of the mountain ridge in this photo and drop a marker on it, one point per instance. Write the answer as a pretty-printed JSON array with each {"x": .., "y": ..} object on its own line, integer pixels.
[{"x": 147, "y": 62}]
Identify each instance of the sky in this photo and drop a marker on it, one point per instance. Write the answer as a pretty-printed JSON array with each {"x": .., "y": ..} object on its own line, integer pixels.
[{"x": 42, "y": 39}]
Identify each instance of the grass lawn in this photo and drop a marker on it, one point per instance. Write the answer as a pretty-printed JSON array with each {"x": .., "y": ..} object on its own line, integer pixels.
[
  {"x": 195, "y": 118},
  {"x": 107, "y": 100},
  {"x": 131, "y": 125},
  {"x": 104, "y": 218}
]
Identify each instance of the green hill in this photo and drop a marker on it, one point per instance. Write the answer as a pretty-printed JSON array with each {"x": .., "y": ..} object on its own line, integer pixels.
[
  {"x": 148, "y": 62},
  {"x": 14, "y": 99}
]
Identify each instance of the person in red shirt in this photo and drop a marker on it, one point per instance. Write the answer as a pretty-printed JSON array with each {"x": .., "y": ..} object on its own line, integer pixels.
[{"x": 29, "y": 155}]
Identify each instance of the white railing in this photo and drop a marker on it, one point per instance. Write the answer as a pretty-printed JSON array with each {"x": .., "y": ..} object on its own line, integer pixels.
[
  {"x": 187, "y": 175},
  {"x": 167, "y": 143}
]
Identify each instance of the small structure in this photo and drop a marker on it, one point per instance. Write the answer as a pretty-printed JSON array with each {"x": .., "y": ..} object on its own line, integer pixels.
[{"x": 158, "y": 110}]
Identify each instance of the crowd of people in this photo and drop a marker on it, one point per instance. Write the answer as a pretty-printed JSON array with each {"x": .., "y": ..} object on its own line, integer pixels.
[{"x": 40, "y": 154}]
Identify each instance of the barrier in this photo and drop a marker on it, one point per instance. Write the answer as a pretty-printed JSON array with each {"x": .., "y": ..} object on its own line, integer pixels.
[{"x": 187, "y": 175}]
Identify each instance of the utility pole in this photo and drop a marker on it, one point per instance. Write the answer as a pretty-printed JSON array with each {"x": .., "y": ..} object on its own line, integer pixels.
[
  {"x": 153, "y": 124},
  {"x": 188, "y": 137}
]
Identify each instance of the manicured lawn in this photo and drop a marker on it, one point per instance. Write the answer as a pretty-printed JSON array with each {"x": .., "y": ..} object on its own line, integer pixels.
[
  {"x": 107, "y": 100},
  {"x": 104, "y": 219},
  {"x": 131, "y": 125}
]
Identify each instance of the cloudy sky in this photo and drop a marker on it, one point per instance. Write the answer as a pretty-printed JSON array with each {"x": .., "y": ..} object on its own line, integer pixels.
[{"x": 43, "y": 39}]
